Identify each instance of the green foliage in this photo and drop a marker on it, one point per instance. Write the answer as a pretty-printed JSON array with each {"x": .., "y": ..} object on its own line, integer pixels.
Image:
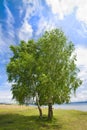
[{"x": 46, "y": 67}]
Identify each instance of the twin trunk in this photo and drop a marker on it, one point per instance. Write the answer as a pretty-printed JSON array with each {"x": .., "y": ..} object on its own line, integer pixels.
[{"x": 50, "y": 111}]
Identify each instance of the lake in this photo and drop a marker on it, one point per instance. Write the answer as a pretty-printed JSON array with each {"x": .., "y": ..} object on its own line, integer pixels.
[{"x": 82, "y": 106}]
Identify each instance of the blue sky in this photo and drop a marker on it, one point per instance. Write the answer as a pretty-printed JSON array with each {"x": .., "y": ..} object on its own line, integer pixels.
[{"x": 26, "y": 19}]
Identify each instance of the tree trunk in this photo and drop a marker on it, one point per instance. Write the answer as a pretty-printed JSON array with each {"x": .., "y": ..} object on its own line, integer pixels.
[
  {"x": 50, "y": 111},
  {"x": 40, "y": 110}
]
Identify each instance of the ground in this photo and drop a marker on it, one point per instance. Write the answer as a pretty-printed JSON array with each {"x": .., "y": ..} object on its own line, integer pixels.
[{"x": 14, "y": 117}]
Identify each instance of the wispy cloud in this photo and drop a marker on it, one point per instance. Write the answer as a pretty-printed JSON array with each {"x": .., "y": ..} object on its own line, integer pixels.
[
  {"x": 7, "y": 34},
  {"x": 5, "y": 41},
  {"x": 44, "y": 25},
  {"x": 25, "y": 31},
  {"x": 10, "y": 20},
  {"x": 83, "y": 32},
  {"x": 29, "y": 7},
  {"x": 1, "y": 39}
]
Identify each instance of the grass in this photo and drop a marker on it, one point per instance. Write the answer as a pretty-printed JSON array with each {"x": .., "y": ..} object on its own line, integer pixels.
[{"x": 13, "y": 117}]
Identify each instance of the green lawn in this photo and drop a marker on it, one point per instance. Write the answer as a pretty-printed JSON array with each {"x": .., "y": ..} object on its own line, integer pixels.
[{"x": 14, "y": 117}]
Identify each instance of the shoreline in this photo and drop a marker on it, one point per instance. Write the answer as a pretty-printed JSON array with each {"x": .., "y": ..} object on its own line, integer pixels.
[{"x": 77, "y": 107}]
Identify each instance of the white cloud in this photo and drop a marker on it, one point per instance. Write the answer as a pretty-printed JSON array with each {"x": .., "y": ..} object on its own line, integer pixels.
[
  {"x": 82, "y": 61},
  {"x": 5, "y": 96},
  {"x": 81, "y": 55},
  {"x": 81, "y": 94},
  {"x": 44, "y": 25},
  {"x": 81, "y": 10},
  {"x": 5, "y": 93},
  {"x": 25, "y": 31},
  {"x": 63, "y": 8},
  {"x": 5, "y": 85},
  {"x": 30, "y": 7}
]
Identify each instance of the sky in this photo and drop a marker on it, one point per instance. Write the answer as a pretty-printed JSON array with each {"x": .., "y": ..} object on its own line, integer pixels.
[{"x": 27, "y": 19}]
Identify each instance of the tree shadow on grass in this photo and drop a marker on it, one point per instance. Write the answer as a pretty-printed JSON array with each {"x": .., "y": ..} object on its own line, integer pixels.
[
  {"x": 81, "y": 113},
  {"x": 21, "y": 122}
]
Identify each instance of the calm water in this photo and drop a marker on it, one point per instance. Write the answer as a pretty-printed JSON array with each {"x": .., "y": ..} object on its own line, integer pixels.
[{"x": 73, "y": 106}]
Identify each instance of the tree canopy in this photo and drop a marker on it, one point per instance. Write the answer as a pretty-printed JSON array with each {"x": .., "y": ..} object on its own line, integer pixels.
[{"x": 44, "y": 68}]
